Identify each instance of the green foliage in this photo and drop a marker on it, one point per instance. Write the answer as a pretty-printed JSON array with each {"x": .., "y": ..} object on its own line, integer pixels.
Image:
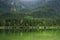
[{"x": 30, "y": 22}]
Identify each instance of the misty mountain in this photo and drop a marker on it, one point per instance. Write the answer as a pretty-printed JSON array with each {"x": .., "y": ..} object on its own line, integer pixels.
[
  {"x": 13, "y": 7},
  {"x": 20, "y": 6},
  {"x": 36, "y": 9},
  {"x": 50, "y": 9}
]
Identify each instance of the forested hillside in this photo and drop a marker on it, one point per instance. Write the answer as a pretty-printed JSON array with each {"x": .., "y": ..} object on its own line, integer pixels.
[
  {"x": 50, "y": 10},
  {"x": 20, "y": 13},
  {"x": 41, "y": 9}
]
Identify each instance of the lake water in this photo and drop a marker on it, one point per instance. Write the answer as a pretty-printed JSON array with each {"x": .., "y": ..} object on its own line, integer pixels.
[{"x": 42, "y": 35}]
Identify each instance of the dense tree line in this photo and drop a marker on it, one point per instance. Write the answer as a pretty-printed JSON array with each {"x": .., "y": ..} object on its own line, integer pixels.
[{"x": 30, "y": 22}]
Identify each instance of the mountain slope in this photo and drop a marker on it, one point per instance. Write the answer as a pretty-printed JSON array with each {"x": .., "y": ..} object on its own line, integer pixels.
[
  {"x": 51, "y": 9},
  {"x": 38, "y": 9}
]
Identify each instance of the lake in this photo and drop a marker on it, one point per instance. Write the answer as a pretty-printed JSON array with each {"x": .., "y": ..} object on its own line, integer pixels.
[{"x": 42, "y": 35}]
